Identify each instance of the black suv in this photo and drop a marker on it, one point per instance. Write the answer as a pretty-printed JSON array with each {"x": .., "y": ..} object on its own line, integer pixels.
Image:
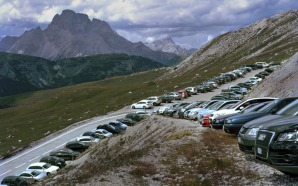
[
  {"x": 276, "y": 144},
  {"x": 14, "y": 180},
  {"x": 53, "y": 160}
]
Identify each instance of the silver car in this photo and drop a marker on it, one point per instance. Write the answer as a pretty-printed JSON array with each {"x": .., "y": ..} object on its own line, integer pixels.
[{"x": 32, "y": 176}]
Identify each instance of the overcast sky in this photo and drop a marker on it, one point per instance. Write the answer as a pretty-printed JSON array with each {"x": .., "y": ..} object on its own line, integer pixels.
[{"x": 190, "y": 23}]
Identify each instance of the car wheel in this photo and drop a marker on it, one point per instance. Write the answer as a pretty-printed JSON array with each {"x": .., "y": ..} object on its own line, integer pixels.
[
  {"x": 133, "y": 107},
  {"x": 48, "y": 174},
  {"x": 144, "y": 107},
  {"x": 154, "y": 104}
]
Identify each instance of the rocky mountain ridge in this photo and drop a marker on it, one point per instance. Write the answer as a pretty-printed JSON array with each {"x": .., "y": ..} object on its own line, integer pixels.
[
  {"x": 73, "y": 35},
  {"x": 168, "y": 45}
]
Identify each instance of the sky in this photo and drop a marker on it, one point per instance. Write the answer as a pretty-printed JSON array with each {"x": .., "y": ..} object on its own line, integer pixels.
[{"x": 190, "y": 23}]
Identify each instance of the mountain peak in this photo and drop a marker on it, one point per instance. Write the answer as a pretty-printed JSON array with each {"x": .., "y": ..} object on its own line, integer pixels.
[
  {"x": 168, "y": 45},
  {"x": 71, "y": 21}
]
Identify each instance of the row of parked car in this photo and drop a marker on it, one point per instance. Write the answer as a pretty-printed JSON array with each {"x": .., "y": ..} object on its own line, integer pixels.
[
  {"x": 234, "y": 92},
  {"x": 265, "y": 127},
  {"x": 73, "y": 149}
]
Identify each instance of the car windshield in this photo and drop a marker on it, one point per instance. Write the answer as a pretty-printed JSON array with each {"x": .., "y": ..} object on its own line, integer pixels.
[
  {"x": 268, "y": 106},
  {"x": 215, "y": 106},
  {"x": 254, "y": 107},
  {"x": 291, "y": 109},
  {"x": 35, "y": 173},
  {"x": 46, "y": 166}
]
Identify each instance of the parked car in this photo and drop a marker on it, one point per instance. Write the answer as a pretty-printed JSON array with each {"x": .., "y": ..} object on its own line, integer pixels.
[
  {"x": 86, "y": 139},
  {"x": 188, "y": 107},
  {"x": 122, "y": 126},
  {"x": 220, "y": 97},
  {"x": 77, "y": 146},
  {"x": 276, "y": 145},
  {"x": 53, "y": 160},
  {"x": 134, "y": 116},
  {"x": 103, "y": 132},
  {"x": 127, "y": 121},
  {"x": 142, "y": 105},
  {"x": 218, "y": 122},
  {"x": 174, "y": 95},
  {"x": 257, "y": 79},
  {"x": 166, "y": 98},
  {"x": 109, "y": 128},
  {"x": 247, "y": 134},
  {"x": 232, "y": 95},
  {"x": 93, "y": 134},
  {"x": 43, "y": 167},
  {"x": 14, "y": 181},
  {"x": 193, "y": 90},
  {"x": 262, "y": 64},
  {"x": 240, "y": 106},
  {"x": 66, "y": 154},
  {"x": 201, "y": 89},
  {"x": 184, "y": 93},
  {"x": 174, "y": 109},
  {"x": 33, "y": 176},
  {"x": 156, "y": 100},
  {"x": 233, "y": 124},
  {"x": 161, "y": 110}
]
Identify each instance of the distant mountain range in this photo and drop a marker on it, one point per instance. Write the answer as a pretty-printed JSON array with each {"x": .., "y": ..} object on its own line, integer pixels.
[
  {"x": 75, "y": 35},
  {"x": 168, "y": 45},
  {"x": 20, "y": 73}
]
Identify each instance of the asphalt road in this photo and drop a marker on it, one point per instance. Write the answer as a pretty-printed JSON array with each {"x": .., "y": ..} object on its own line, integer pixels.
[{"x": 19, "y": 162}]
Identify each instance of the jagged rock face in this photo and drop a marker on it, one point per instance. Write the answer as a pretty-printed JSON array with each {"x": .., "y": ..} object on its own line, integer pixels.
[
  {"x": 168, "y": 45},
  {"x": 272, "y": 39},
  {"x": 72, "y": 35}
]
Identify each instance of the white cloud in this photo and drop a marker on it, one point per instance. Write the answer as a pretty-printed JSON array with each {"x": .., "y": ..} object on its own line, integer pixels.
[{"x": 189, "y": 22}]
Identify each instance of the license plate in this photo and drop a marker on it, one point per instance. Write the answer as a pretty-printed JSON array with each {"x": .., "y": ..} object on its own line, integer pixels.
[
  {"x": 259, "y": 150},
  {"x": 239, "y": 140}
]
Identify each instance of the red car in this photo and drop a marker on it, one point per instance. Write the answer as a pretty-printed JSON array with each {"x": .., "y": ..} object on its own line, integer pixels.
[
  {"x": 183, "y": 93},
  {"x": 206, "y": 121}
]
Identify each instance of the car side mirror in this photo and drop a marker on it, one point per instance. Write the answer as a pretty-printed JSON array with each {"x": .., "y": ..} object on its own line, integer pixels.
[{"x": 241, "y": 108}]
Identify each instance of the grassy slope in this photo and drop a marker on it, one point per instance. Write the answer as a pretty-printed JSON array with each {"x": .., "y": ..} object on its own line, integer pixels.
[{"x": 38, "y": 112}]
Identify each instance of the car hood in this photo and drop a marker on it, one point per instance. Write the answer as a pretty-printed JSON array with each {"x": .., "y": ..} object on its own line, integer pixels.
[
  {"x": 256, "y": 123},
  {"x": 282, "y": 124},
  {"x": 246, "y": 117}
]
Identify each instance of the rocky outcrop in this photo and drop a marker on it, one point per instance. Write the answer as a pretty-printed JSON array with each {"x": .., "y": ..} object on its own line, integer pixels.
[
  {"x": 168, "y": 45},
  {"x": 73, "y": 35}
]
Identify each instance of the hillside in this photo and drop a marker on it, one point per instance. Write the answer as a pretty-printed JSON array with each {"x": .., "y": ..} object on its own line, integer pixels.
[
  {"x": 167, "y": 151},
  {"x": 272, "y": 39},
  {"x": 75, "y": 35},
  {"x": 282, "y": 82},
  {"x": 20, "y": 73}
]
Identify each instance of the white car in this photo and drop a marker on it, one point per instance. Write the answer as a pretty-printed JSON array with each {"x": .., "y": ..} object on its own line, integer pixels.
[
  {"x": 87, "y": 139},
  {"x": 103, "y": 132},
  {"x": 162, "y": 109},
  {"x": 239, "y": 106},
  {"x": 142, "y": 105},
  {"x": 255, "y": 79},
  {"x": 263, "y": 64},
  {"x": 43, "y": 167},
  {"x": 193, "y": 90},
  {"x": 156, "y": 100}
]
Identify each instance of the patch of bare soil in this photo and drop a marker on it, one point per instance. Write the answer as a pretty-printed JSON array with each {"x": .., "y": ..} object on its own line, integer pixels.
[{"x": 168, "y": 151}]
